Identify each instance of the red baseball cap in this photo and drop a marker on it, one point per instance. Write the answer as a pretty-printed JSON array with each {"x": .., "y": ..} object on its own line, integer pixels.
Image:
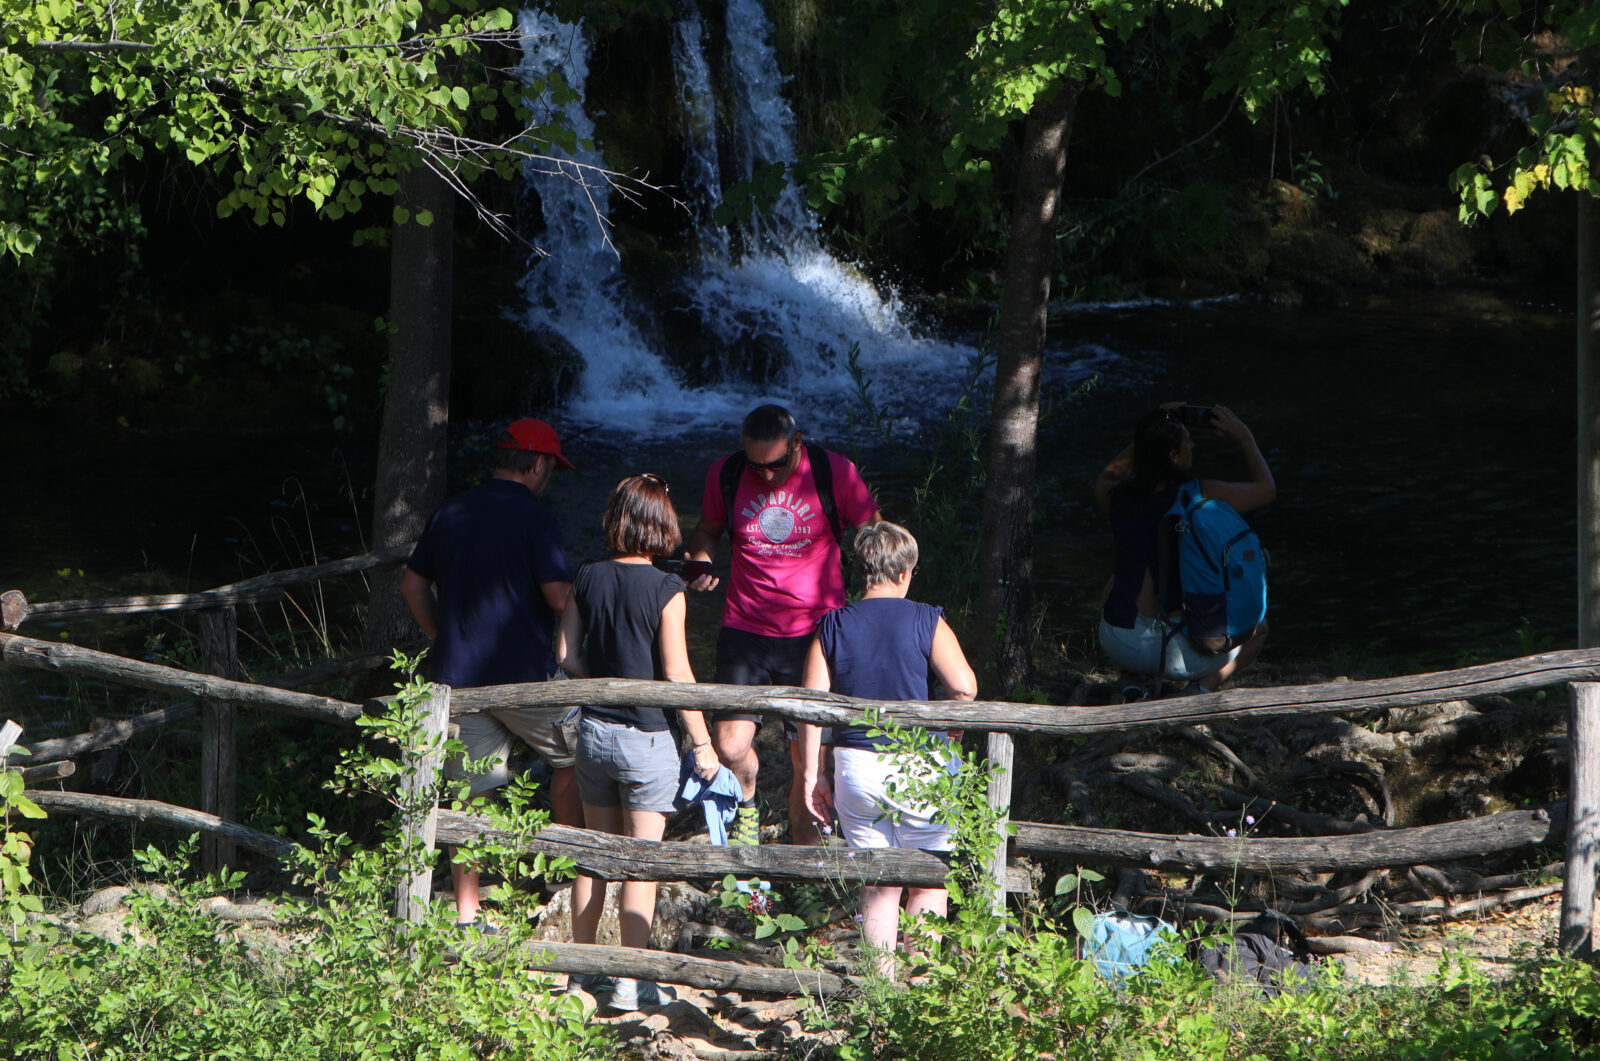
[{"x": 535, "y": 436}]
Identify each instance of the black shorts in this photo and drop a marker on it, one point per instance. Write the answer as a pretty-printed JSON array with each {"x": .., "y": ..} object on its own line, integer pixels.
[{"x": 744, "y": 658}]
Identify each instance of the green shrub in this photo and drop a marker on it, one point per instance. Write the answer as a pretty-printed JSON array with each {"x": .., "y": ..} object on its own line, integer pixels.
[{"x": 339, "y": 978}]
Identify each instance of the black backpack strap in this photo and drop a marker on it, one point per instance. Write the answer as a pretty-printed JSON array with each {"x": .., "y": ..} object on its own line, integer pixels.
[
  {"x": 732, "y": 468},
  {"x": 822, "y": 475}
]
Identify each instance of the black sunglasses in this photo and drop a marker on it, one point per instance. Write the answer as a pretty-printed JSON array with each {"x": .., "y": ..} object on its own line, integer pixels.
[{"x": 772, "y": 466}]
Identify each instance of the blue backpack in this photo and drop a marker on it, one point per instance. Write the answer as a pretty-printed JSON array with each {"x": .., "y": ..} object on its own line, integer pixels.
[
  {"x": 1122, "y": 942},
  {"x": 1222, "y": 571}
]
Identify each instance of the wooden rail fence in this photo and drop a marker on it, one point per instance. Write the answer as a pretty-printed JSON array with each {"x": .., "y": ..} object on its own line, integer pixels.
[{"x": 218, "y": 694}]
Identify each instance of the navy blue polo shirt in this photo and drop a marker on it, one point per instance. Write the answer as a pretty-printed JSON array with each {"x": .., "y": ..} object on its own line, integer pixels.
[{"x": 488, "y": 551}]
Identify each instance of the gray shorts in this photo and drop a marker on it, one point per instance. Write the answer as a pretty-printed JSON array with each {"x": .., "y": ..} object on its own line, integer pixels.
[
  {"x": 623, "y": 766},
  {"x": 550, "y": 731}
]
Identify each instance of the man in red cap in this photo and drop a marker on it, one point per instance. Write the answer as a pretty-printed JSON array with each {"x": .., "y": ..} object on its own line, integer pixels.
[{"x": 487, "y": 581}]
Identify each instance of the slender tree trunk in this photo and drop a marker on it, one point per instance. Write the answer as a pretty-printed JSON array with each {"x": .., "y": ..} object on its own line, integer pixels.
[
  {"x": 416, "y": 408},
  {"x": 1588, "y": 314},
  {"x": 1005, "y": 558}
]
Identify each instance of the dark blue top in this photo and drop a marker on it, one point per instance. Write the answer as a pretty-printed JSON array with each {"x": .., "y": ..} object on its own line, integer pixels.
[
  {"x": 878, "y": 649},
  {"x": 620, "y": 608},
  {"x": 1135, "y": 530},
  {"x": 488, "y": 552}
]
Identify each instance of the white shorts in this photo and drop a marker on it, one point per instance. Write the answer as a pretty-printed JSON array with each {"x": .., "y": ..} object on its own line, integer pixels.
[
  {"x": 1139, "y": 651},
  {"x": 860, "y": 783}
]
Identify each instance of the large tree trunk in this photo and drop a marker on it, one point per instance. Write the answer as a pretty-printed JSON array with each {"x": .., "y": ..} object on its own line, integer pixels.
[
  {"x": 1005, "y": 558},
  {"x": 1588, "y": 314},
  {"x": 416, "y": 409}
]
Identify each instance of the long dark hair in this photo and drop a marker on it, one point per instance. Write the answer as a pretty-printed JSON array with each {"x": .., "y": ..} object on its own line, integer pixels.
[{"x": 1157, "y": 435}]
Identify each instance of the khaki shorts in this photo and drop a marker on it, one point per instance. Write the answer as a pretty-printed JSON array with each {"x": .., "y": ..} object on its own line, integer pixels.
[{"x": 550, "y": 731}]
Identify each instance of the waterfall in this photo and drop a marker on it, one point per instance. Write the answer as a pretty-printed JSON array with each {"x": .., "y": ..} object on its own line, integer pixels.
[
  {"x": 763, "y": 121},
  {"x": 702, "y": 168},
  {"x": 778, "y": 313}
]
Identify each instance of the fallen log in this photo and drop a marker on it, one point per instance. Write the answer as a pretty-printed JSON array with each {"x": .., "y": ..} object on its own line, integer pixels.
[
  {"x": 621, "y": 858},
  {"x": 663, "y": 966},
  {"x": 153, "y": 811},
  {"x": 1264, "y": 809},
  {"x": 1377, "y": 849},
  {"x": 1435, "y": 908},
  {"x": 89, "y": 663},
  {"x": 15, "y": 609},
  {"x": 333, "y": 669},
  {"x": 832, "y": 709},
  {"x": 119, "y": 732},
  {"x": 33, "y": 775}
]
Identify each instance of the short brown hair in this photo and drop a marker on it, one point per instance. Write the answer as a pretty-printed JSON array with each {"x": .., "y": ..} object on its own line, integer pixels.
[
  {"x": 640, "y": 519},
  {"x": 504, "y": 456},
  {"x": 883, "y": 551}
]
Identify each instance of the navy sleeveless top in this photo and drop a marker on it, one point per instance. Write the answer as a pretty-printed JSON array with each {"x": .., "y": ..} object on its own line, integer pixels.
[
  {"x": 620, "y": 608},
  {"x": 878, "y": 649}
]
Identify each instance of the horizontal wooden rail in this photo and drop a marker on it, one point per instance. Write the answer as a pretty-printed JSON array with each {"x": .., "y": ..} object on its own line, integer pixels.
[
  {"x": 547, "y": 957},
  {"x": 15, "y": 608},
  {"x": 620, "y": 858},
  {"x": 90, "y": 663},
  {"x": 1377, "y": 849},
  {"x": 666, "y": 966},
  {"x": 831, "y": 709}
]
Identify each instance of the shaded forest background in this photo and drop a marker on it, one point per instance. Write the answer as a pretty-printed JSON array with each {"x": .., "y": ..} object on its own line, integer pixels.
[{"x": 191, "y": 322}]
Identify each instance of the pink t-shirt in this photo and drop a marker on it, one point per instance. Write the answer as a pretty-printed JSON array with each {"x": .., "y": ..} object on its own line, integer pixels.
[{"x": 785, "y": 567}]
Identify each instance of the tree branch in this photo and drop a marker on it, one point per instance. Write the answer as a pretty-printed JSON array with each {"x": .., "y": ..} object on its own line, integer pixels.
[{"x": 93, "y": 46}]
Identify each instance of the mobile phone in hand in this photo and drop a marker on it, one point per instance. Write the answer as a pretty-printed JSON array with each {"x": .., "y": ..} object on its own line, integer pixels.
[{"x": 688, "y": 570}]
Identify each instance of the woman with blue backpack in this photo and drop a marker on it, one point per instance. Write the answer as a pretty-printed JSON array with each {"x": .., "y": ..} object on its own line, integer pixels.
[{"x": 1187, "y": 598}]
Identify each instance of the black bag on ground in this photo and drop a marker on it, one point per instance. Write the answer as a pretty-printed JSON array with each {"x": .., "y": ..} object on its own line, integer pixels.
[{"x": 1271, "y": 950}]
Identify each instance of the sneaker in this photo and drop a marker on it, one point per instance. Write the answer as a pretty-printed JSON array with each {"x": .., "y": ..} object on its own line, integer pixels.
[
  {"x": 633, "y": 995},
  {"x": 746, "y": 831},
  {"x": 481, "y": 928}
]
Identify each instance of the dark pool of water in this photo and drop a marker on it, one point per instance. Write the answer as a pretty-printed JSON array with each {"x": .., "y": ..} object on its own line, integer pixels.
[{"x": 1423, "y": 445}]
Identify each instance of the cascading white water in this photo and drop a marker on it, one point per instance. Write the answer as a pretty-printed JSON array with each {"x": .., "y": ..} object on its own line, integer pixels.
[
  {"x": 783, "y": 297},
  {"x": 763, "y": 127},
  {"x": 702, "y": 168},
  {"x": 577, "y": 293}
]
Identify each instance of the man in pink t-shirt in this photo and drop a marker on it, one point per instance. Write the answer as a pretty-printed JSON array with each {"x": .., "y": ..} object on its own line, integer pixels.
[{"x": 785, "y": 575}]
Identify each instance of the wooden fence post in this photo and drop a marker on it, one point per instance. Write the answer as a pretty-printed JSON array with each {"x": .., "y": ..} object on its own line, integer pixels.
[
  {"x": 1583, "y": 821},
  {"x": 411, "y": 900},
  {"x": 219, "y": 757},
  {"x": 1000, "y": 752}
]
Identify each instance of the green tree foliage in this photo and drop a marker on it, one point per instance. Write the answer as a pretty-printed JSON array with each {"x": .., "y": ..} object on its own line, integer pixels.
[
  {"x": 1556, "y": 49},
  {"x": 948, "y": 82},
  {"x": 279, "y": 99}
]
